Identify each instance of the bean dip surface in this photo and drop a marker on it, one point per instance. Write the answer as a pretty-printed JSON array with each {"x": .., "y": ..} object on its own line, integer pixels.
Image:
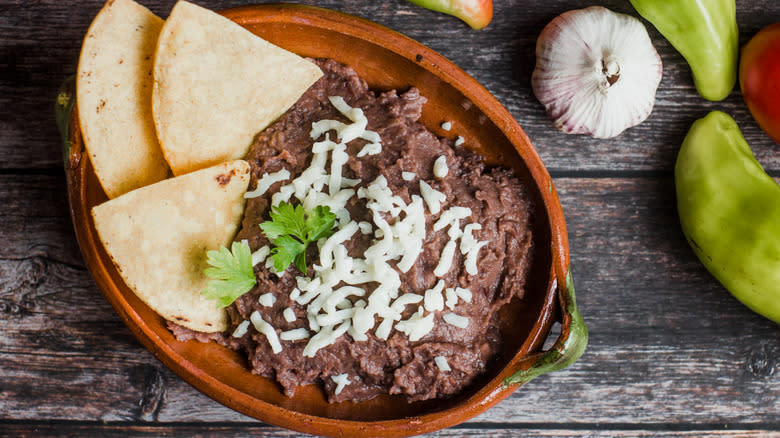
[{"x": 457, "y": 349}]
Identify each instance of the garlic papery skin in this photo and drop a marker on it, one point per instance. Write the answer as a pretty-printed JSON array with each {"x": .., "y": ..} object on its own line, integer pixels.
[{"x": 596, "y": 72}]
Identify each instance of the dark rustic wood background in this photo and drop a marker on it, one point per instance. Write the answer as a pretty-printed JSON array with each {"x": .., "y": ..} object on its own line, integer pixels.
[{"x": 671, "y": 352}]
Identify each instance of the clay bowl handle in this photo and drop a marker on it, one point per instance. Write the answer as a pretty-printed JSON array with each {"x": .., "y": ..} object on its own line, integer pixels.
[{"x": 567, "y": 348}]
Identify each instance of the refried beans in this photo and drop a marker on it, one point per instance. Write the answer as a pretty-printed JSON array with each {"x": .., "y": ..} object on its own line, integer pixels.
[{"x": 451, "y": 354}]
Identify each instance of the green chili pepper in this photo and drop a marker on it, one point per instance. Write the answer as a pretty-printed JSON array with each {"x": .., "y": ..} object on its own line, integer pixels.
[
  {"x": 706, "y": 35},
  {"x": 730, "y": 212}
]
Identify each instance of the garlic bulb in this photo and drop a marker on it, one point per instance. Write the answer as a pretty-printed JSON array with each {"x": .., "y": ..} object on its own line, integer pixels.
[{"x": 596, "y": 72}]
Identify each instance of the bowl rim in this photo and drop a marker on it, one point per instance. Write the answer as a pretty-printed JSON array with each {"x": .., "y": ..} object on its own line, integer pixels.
[{"x": 485, "y": 397}]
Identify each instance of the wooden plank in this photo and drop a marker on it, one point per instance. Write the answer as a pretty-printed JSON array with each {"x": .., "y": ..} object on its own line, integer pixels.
[
  {"x": 41, "y": 44},
  {"x": 35, "y": 220},
  {"x": 668, "y": 344},
  {"x": 140, "y": 430}
]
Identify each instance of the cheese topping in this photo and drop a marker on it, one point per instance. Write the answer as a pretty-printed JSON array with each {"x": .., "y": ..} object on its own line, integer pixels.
[
  {"x": 341, "y": 381},
  {"x": 416, "y": 326},
  {"x": 452, "y": 298},
  {"x": 289, "y": 314},
  {"x": 433, "y": 298},
  {"x": 266, "y": 182},
  {"x": 266, "y": 329},
  {"x": 241, "y": 329},
  {"x": 441, "y": 362},
  {"x": 456, "y": 320},
  {"x": 260, "y": 255},
  {"x": 433, "y": 198},
  {"x": 440, "y": 169},
  {"x": 335, "y": 297},
  {"x": 267, "y": 299},
  {"x": 294, "y": 334}
]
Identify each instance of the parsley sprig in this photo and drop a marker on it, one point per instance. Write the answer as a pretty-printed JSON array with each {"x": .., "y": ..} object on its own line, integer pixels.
[
  {"x": 291, "y": 230},
  {"x": 231, "y": 273}
]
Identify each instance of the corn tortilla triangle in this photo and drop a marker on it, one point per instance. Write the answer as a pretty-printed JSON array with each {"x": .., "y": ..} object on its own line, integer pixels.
[
  {"x": 157, "y": 236},
  {"x": 114, "y": 91},
  {"x": 216, "y": 85}
]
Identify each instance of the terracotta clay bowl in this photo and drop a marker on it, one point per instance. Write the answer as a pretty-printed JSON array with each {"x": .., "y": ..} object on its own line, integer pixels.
[{"x": 386, "y": 60}]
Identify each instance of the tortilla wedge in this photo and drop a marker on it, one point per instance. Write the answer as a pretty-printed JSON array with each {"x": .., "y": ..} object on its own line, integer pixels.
[
  {"x": 158, "y": 235},
  {"x": 216, "y": 85},
  {"x": 114, "y": 91}
]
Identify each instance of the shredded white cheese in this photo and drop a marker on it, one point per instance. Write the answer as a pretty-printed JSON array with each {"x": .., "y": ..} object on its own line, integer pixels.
[
  {"x": 445, "y": 262},
  {"x": 433, "y": 198},
  {"x": 266, "y": 329},
  {"x": 452, "y": 298},
  {"x": 451, "y": 217},
  {"x": 471, "y": 258},
  {"x": 325, "y": 337},
  {"x": 241, "y": 329},
  {"x": 433, "y": 297},
  {"x": 460, "y": 140},
  {"x": 294, "y": 334},
  {"x": 289, "y": 314},
  {"x": 411, "y": 233},
  {"x": 260, "y": 255},
  {"x": 470, "y": 247},
  {"x": 341, "y": 381},
  {"x": 404, "y": 300},
  {"x": 446, "y": 126},
  {"x": 265, "y": 183},
  {"x": 398, "y": 229},
  {"x": 370, "y": 149},
  {"x": 468, "y": 241},
  {"x": 456, "y": 320},
  {"x": 441, "y": 362},
  {"x": 365, "y": 227},
  {"x": 267, "y": 300},
  {"x": 440, "y": 169},
  {"x": 463, "y": 294},
  {"x": 283, "y": 195},
  {"x": 416, "y": 326}
]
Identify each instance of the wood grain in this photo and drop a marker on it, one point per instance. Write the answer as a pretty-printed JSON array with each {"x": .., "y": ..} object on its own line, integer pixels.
[
  {"x": 671, "y": 353},
  {"x": 113, "y": 430}
]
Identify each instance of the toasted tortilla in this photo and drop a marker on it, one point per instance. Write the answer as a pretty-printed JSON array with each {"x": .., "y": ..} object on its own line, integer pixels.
[
  {"x": 158, "y": 235},
  {"x": 216, "y": 85},
  {"x": 114, "y": 92}
]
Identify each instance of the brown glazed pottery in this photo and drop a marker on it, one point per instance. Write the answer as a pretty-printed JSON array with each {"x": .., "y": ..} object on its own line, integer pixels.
[{"x": 386, "y": 60}]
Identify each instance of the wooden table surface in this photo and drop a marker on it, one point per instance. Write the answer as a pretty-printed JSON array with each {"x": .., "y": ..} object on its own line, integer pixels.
[{"x": 670, "y": 353}]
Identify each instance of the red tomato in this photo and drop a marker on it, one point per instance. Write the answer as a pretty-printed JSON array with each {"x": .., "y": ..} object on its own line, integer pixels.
[{"x": 759, "y": 78}]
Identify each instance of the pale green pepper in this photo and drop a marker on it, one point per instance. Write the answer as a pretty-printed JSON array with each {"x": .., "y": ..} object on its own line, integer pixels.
[
  {"x": 730, "y": 212},
  {"x": 706, "y": 35}
]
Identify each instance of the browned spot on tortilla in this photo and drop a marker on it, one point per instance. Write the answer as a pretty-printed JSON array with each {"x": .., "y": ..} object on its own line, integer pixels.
[
  {"x": 181, "y": 318},
  {"x": 100, "y": 105},
  {"x": 224, "y": 178},
  {"x": 121, "y": 61}
]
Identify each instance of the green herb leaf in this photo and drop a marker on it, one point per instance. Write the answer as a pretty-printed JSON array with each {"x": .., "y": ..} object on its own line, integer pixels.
[
  {"x": 291, "y": 230},
  {"x": 285, "y": 219},
  {"x": 320, "y": 223},
  {"x": 287, "y": 249},
  {"x": 231, "y": 273}
]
